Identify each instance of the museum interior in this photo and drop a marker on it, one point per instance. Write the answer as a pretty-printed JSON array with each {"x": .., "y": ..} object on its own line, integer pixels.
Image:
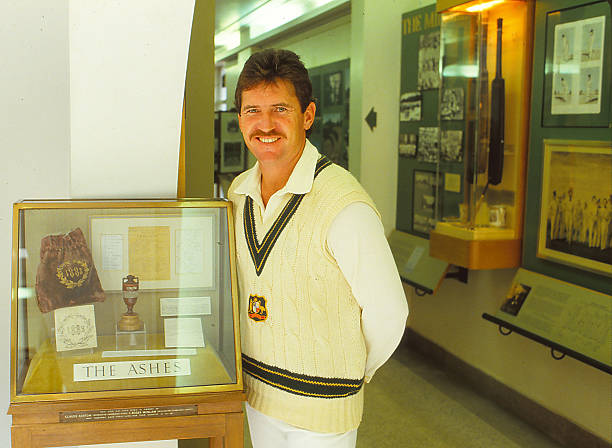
[{"x": 482, "y": 131}]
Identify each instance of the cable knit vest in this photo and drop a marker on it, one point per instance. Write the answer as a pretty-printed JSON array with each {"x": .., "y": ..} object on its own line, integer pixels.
[{"x": 303, "y": 350}]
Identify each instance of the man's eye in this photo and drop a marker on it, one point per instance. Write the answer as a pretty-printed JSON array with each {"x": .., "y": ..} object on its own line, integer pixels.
[
  {"x": 281, "y": 109},
  {"x": 250, "y": 111}
]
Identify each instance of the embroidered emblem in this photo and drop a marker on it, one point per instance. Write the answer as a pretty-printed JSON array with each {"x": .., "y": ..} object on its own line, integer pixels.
[
  {"x": 260, "y": 252},
  {"x": 257, "y": 308},
  {"x": 72, "y": 274}
]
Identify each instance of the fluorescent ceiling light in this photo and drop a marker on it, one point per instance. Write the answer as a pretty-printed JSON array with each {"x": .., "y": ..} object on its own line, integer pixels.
[
  {"x": 271, "y": 15},
  {"x": 482, "y": 6}
]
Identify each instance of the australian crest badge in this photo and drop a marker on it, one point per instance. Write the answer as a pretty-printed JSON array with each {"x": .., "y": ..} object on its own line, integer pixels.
[{"x": 257, "y": 308}]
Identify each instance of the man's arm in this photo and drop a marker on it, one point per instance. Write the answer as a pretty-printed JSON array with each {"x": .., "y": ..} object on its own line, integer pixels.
[{"x": 357, "y": 241}]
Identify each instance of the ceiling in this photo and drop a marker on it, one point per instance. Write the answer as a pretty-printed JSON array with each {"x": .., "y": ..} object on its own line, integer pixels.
[
  {"x": 240, "y": 23},
  {"x": 229, "y": 11}
]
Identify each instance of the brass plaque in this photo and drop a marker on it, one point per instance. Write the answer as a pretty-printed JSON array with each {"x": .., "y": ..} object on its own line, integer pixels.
[{"x": 127, "y": 413}]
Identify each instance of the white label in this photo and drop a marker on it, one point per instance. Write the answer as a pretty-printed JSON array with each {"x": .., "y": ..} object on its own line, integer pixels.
[
  {"x": 160, "y": 352},
  {"x": 112, "y": 252},
  {"x": 183, "y": 332},
  {"x": 184, "y": 306},
  {"x": 75, "y": 328},
  {"x": 131, "y": 369}
]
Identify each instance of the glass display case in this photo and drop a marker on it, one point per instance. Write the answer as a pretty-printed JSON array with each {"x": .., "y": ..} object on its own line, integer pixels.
[
  {"x": 123, "y": 299},
  {"x": 485, "y": 68}
]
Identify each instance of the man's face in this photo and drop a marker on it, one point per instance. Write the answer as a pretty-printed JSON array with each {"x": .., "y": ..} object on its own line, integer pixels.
[{"x": 272, "y": 122}]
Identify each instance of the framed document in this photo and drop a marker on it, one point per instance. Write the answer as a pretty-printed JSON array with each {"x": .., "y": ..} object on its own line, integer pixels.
[
  {"x": 162, "y": 251},
  {"x": 577, "y": 63}
]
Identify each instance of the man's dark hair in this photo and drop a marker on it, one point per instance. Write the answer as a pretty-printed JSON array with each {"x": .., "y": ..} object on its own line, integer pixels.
[{"x": 267, "y": 66}]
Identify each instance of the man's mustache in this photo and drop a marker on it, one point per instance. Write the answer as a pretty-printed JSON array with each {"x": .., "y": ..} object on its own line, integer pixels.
[{"x": 272, "y": 133}]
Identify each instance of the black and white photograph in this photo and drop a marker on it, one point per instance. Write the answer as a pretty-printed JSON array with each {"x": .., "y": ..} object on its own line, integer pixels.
[
  {"x": 451, "y": 107},
  {"x": 565, "y": 43},
  {"x": 333, "y": 89},
  {"x": 515, "y": 298},
  {"x": 576, "y": 213},
  {"x": 451, "y": 146},
  {"x": 424, "y": 201},
  {"x": 232, "y": 126},
  {"x": 592, "y": 40},
  {"x": 410, "y": 106},
  {"x": 232, "y": 156},
  {"x": 428, "y": 149},
  {"x": 429, "y": 60},
  {"x": 408, "y": 145},
  {"x": 562, "y": 90},
  {"x": 589, "y": 85}
]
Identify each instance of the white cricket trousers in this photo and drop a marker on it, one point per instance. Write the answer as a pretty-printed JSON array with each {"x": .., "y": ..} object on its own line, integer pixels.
[{"x": 268, "y": 432}]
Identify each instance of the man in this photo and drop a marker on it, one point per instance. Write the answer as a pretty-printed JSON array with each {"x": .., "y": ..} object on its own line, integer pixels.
[{"x": 321, "y": 303}]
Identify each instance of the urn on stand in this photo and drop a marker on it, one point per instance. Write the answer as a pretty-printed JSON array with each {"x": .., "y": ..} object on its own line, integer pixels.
[{"x": 131, "y": 332}]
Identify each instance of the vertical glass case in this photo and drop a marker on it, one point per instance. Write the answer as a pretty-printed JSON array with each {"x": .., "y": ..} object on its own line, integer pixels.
[
  {"x": 484, "y": 103},
  {"x": 123, "y": 298}
]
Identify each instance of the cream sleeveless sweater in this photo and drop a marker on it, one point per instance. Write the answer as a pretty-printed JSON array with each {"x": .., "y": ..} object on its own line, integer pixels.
[{"x": 303, "y": 350}]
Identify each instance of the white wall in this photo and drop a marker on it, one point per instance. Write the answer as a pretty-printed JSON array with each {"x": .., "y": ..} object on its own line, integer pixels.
[
  {"x": 127, "y": 77},
  {"x": 35, "y": 124},
  {"x": 34, "y": 133}
]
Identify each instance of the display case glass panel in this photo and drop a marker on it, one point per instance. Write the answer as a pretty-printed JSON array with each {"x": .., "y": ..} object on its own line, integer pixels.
[
  {"x": 483, "y": 115},
  {"x": 123, "y": 298}
]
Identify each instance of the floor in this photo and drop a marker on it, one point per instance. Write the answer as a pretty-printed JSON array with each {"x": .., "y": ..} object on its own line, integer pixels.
[{"x": 413, "y": 404}]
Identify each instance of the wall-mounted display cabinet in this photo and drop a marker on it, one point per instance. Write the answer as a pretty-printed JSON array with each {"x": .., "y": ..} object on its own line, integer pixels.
[
  {"x": 485, "y": 67},
  {"x": 122, "y": 299}
]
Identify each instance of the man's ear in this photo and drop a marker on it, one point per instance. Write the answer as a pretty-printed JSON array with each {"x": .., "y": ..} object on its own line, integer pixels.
[{"x": 309, "y": 115}]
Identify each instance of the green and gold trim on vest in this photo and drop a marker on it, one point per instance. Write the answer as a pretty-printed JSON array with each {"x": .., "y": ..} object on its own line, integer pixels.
[
  {"x": 300, "y": 384},
  {"x": 260, "y": 252}
]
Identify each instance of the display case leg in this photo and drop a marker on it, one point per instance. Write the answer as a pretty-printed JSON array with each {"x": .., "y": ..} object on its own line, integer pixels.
[
  {"x": 215, "y": 442},
  {"x": 234, "y": 432},
  {"x": 21, "y": 438}
]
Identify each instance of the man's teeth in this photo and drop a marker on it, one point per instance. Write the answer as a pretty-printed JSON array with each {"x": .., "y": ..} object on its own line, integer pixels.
[{"x": 268, "y": 139}]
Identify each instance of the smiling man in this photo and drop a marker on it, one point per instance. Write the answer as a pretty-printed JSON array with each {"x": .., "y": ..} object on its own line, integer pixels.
[{"x": 321, "y": 303}]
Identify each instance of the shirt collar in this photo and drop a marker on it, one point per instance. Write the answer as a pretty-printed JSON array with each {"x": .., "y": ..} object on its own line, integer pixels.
[{"x": 299, "y": 182}]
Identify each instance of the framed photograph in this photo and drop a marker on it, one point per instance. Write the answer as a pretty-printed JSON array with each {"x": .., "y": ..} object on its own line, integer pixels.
[
  {"x": 410, "y": 106},
  {"x": 451, "y": 146},
  {"x": 232, "y": 150},
  {"x": 425, "y": 203},
  {"x": 408, "y": 145},
  {"x": 451, "y": 106},
  {"x": 576, "y": 205},
  {"x": 577, "y": 62},
  {"x": 428, "y": 144}
]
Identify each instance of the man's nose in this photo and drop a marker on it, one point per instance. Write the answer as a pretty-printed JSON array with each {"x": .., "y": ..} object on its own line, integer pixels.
[{"x": 266, "y": 123}]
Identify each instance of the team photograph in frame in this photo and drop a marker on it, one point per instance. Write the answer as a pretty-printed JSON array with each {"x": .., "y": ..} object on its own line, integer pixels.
[{"x": 575, "y": 226}]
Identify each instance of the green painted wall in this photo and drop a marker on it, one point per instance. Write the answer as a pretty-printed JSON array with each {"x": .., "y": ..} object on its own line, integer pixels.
[{"x": 199, "y": 103}]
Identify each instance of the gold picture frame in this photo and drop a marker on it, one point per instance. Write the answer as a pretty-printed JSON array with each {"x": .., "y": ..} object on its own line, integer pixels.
[{"x": 576, "y": 205}]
